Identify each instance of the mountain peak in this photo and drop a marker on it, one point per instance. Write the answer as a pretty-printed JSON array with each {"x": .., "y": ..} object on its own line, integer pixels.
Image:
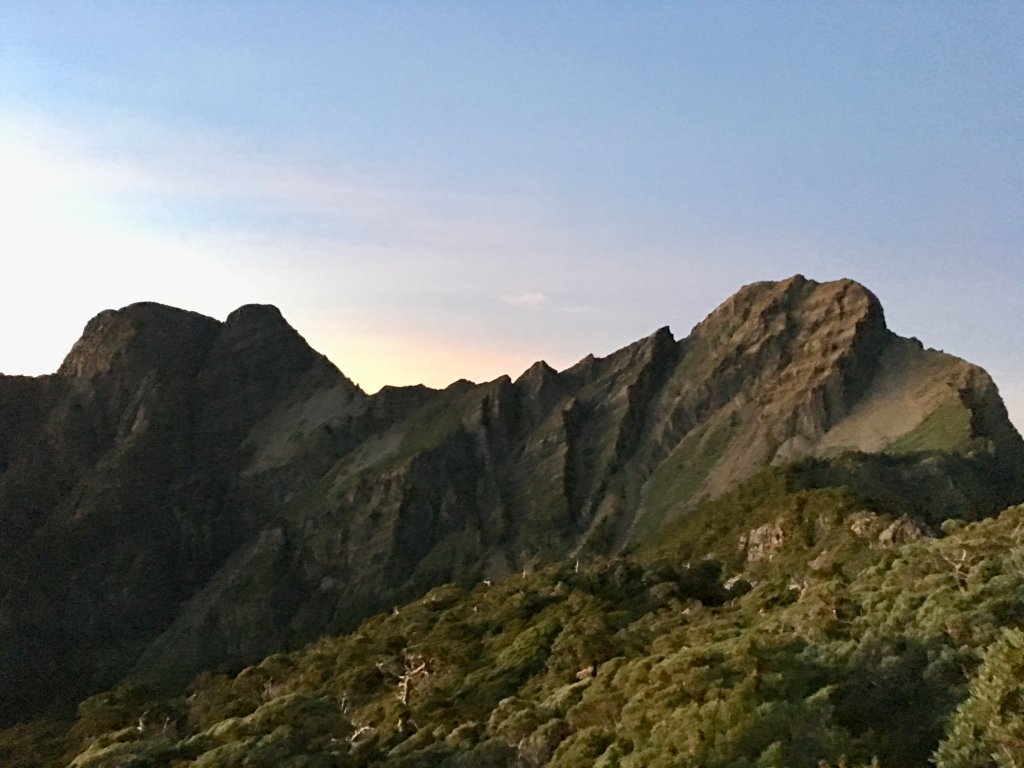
[
  {"x": 145, "y": 333},
  {"x": 256, "y": 314},
  {"x": 762, "y": 306},
  {"x": 261, "y": 330},
  {"x": 539, "y": 371},
  {"x": 249, "y": 467}
]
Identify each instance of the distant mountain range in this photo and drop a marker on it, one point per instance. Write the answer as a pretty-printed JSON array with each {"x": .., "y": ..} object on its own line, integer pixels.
[{"x": 186, "y": 494}]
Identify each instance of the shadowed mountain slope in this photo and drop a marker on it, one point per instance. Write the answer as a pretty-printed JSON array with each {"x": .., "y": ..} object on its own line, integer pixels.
[{"x": 185, "y": 493}]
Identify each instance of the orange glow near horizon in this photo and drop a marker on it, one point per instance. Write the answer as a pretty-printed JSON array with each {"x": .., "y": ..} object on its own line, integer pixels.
[{"x": 375, "y": 360}]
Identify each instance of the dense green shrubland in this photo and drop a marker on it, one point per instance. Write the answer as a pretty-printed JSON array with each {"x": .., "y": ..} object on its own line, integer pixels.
[{"x": 841, "y": 646}]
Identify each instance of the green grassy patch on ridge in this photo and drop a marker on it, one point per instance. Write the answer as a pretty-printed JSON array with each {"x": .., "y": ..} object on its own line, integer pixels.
[
  {"x": 677, "y": 480},
  {"x": 947, "y": 428}
]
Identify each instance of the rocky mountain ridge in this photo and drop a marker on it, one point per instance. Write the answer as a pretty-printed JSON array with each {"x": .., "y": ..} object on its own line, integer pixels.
[{"x": 185, "y": 493}]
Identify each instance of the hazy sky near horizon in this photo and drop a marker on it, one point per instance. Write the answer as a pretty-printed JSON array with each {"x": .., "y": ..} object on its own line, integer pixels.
[{"x": 436, "y": 190}]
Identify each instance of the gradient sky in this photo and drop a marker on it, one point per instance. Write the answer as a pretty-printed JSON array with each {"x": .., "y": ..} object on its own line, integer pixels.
[{"x": 434, "y": 190}]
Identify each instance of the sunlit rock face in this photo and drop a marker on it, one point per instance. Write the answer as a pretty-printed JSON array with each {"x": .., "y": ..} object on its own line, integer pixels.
[{"x": 185, "y": 494}]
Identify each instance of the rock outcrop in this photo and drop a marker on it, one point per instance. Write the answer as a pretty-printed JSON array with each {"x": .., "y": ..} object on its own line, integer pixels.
[{"x": 186, "y": 494}]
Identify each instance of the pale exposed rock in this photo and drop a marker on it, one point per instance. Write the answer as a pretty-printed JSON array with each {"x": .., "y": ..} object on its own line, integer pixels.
[
  {"x": 734, "y": 580},
  {"x": 863, "y": 524},
  {"x": 900, "y": 531},
  {"x": 821, "y": 561},
  {"x": 765, "y": 542}
]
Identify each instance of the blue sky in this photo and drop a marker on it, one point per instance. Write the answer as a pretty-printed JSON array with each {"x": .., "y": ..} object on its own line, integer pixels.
[{"x": 438, "y": 190}]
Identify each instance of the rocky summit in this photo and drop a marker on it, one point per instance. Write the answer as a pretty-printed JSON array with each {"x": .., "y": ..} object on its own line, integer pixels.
[{"x": 188, "y": 494}]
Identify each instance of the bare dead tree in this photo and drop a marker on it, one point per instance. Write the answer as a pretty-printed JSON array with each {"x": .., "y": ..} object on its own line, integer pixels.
[
  {"x": 414, "y": 667},
  {"x": 961, "y": 567},
  {"x": 362, "y": 729}
]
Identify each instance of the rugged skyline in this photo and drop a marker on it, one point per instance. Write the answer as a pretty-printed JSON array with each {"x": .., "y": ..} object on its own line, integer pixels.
[
  {"x": 430, "y": 192},
  {"x": 177, "y": 466}
]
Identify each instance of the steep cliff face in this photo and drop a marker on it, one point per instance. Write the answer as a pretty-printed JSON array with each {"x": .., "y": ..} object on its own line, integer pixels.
[
  {"x": 185, "y": 493},
  {"x": 118, "y": 498}
]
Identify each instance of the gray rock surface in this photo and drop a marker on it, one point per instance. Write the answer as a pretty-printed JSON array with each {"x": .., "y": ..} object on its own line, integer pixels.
[{"x": 186, "y": 494}]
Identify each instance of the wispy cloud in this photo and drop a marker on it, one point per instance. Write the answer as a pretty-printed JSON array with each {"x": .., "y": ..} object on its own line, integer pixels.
[
  {"x": 525, "y": 299},
  {"x": 223, "y": 188},
  {"x": 90, "y": 223}
]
